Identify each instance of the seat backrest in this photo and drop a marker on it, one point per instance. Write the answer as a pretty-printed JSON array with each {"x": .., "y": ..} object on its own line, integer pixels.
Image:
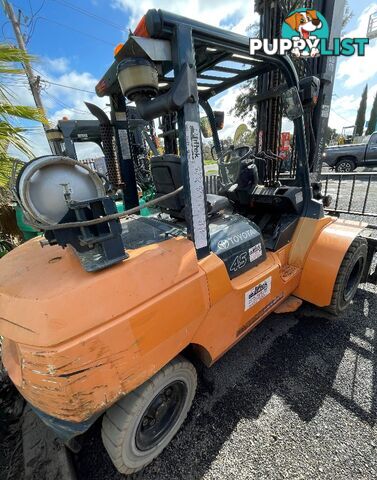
[{"x": 167, "y": 177}]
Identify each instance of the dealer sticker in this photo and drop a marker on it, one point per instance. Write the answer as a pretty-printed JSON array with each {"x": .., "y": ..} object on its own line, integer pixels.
[
  {"x": 257, "y": 293},
  {"x": 255, "y": 252}
]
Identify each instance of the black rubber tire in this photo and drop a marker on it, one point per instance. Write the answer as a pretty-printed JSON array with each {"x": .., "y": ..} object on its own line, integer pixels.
[
  {"x": 122, "y": 421},
  {"x": 345, "y": 165},
  {"x": 349, "y": 276}
]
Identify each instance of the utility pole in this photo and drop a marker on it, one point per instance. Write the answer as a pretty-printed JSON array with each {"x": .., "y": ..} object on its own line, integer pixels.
[{"x": 34, "y": 81}]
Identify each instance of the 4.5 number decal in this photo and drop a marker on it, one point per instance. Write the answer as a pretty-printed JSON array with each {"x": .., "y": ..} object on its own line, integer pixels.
[{"x": 239, "y": 262}]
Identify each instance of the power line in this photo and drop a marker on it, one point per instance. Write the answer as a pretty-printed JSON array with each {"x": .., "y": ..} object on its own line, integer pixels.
[
  {"x": 34, "y": 83},
  {"x": 34, "y": 14},
  {"x": 32, "y": 22},
  {"x": 71, "y": 28},
  {"x": 67, "y": 86},
  {"x": 2, "y": 30},
  {"x": 90, "y": 14},
  {"x": 65, "y": 105},
  {"x": 61, "y": 84},
  {"x": 60, "y": 101},
  {"x": 340, "y": 116}
]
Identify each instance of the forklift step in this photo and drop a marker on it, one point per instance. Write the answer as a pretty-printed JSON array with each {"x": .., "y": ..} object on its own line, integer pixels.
[{"x": 290, "y": 305}]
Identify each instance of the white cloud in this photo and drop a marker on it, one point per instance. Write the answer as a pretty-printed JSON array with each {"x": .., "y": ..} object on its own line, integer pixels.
[
  {"x": 58, "y": 65},
  {"x": 205, "y": 11},
  {"x": 225, "y": 103},
  {"x": 70, "y": 102},
  {"x": 59, "y": 101},
  {"x": 344, "y": 109},
  {"x": 357, "y": 70},
  {"x": 362, "y": 22}
]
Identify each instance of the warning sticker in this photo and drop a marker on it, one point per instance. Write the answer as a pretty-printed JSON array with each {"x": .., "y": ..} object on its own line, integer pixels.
[
  {"x": 257, "y": 293},
  {"x": 255, "y": 252}
]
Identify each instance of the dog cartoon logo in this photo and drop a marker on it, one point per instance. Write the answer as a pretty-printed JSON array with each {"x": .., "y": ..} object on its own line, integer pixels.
[
  {"x": 305, "y": 33},
  {"x": 310, "y": 26}
]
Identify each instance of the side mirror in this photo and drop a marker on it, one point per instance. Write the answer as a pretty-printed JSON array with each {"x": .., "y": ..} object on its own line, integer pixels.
[
  {"x": 206, "y": 127},
  {"x": 219, "y": 120},
  {"x": 292, "y": 106},
  {"x": 309, "y": 91}
]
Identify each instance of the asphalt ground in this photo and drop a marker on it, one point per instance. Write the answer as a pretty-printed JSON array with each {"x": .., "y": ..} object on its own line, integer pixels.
[{"x": 295, "y": 399}]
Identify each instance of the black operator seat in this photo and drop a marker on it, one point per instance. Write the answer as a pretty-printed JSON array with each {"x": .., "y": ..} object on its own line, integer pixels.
[
  {"x": 235, "y": 239},
  {"x": 167, "y": 177},
  {"x": 248, "y": 193},
  {"x": 247, "y": 179}
]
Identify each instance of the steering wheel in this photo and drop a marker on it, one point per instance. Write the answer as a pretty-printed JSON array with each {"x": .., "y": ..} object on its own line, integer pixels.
[
  {"x": 229, "y": 163},
  {"x": 235, "y": 154}
]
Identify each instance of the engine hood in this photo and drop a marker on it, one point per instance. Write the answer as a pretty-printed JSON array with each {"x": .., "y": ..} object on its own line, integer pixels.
[{"x": 46, "y": 297}]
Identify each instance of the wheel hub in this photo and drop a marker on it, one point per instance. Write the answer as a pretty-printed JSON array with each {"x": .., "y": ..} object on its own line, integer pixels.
[
  {"x": 346, "y": 168},
  {"x": 161, "y": 415}
]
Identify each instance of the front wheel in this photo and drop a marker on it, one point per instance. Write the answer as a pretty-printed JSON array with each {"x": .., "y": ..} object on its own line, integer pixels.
[
  {"x": 345, "y": 165},
  {"x": 349, "y": 276},
  {"x": 139, "y": 426}
]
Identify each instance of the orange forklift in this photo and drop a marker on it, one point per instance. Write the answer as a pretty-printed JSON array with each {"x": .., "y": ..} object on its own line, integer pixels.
[{"x": 100, "y": 324}]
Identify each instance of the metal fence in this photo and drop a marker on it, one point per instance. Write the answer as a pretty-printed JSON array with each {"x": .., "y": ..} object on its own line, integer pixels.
[
  {"x": 89, "y": 162},
  {"x": 352, "y": 193},
  {"x": 212, "y": 184}
]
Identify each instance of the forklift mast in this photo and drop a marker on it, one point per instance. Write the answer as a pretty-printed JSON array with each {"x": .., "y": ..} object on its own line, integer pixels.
[{"x": 269, "y": 109}]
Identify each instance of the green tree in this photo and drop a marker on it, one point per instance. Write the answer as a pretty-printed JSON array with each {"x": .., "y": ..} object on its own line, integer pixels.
[
  {"x": 330, "y": 135},
  {"x": 360, "y": 117},
  {"x": 372, "y": 125},
  {"x": 10, "y": 133}
]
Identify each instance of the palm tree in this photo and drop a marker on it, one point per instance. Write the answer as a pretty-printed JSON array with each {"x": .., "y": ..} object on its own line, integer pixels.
[{"x": 10, "y": 133}]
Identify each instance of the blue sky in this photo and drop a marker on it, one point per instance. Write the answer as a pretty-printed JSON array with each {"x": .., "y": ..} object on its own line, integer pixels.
[{"x": 76, "y": 47}]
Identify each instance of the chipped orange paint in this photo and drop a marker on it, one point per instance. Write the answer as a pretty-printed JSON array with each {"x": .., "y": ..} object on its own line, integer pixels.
[{"x": 75, "y": 341}]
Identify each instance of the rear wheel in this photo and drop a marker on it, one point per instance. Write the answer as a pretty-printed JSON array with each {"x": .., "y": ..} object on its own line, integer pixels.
[
  {"x": 139, "y": 426},
  {"x": 345, "y": 165},
  {"x": 349, "y": 276}
]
